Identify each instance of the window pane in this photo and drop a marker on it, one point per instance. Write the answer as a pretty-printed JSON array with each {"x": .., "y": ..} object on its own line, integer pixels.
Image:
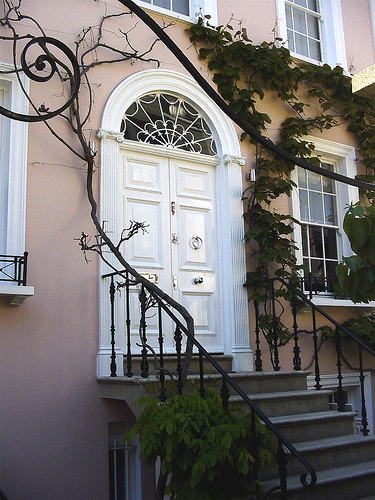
[
  {"x": 314, "y": 47},
  {"x": 313, "y": 26},
  {"x": 166, "y": 4},
  {"x": 329, "y": 209},
  {"x": 291, "y": 46},
  {"x": 312, "y": 5},
  {"x": 303, "y": 204},
  {"x": 305, "y": 245},
  {"x": 300, "y": 24},
  {"x": 301, "y": 2},
  {"x": 331, "y": 275},
  {"x": 301, "y": 45},
  {"x": 289, "y": 20},
  {"x": 330, "y": 243},
  {"x": 316, "y": 241},
  {"x": 316, "y": 208},
  {"x": 315, "y": 181},
  {"x": 302, "y": 181},
  {"x": 181, "y": 6}
]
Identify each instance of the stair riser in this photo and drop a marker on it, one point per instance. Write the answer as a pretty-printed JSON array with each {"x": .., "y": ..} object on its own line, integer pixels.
[
  {"x": 325, "y": 458},
  {"x": 292, "y": 405},
  {"x": 170, "y": 363},
  {"x": 344, "y": 489},
  {"x": 316, "y": 429}
]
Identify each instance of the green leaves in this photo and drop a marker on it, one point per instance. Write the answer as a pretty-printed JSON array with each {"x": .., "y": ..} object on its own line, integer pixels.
[
  {"x": 207, "y": 451},
  {"x": 356, "y": 273}
]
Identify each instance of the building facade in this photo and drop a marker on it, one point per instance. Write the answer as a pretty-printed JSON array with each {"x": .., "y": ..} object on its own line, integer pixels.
[{"x": 58, "y": 438}]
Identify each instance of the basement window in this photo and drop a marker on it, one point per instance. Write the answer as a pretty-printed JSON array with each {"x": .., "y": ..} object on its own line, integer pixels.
[{"x": 124, "y": 465}]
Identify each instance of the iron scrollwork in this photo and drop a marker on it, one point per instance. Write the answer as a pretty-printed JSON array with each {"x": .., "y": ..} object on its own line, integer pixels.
[{"x": 42, "y": 69}]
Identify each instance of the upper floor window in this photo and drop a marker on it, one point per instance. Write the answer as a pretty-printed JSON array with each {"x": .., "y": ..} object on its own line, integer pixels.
[
  {"x": 313, "y": 30},
  {"x": 303, "y": 28},
  {"x": 184, "y": 9}
]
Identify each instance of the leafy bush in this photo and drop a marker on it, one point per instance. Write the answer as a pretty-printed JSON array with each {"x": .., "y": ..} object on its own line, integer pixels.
[{"x": 207, "y": 452}]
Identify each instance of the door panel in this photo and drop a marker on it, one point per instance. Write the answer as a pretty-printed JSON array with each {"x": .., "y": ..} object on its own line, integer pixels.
[{"x": 175, "y": 198}]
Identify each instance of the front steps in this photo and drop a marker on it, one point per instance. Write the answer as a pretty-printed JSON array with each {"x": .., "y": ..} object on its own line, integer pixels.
[{"x": 343, "y": 459}]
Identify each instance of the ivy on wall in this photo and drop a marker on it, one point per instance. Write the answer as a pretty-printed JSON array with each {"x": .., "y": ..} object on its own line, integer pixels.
[{"x": 315, "y": 98}]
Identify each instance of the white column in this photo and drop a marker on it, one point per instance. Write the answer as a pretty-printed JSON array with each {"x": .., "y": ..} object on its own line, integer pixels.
[
  {"x": 240, "y": 341},
  {"x": 109, "y": 207}
]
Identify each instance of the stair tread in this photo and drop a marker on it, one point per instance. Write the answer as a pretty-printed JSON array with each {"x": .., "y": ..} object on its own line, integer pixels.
[
  {"x": 333, "y": 442},
  {"x": 285, "y": 395}
]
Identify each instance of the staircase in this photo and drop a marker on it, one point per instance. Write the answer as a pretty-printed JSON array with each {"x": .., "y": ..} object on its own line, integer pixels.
[{"x": 343, "y": 459}]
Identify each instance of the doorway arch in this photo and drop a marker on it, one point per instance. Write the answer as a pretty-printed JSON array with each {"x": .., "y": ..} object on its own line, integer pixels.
[{"x": 232, "y": 309}]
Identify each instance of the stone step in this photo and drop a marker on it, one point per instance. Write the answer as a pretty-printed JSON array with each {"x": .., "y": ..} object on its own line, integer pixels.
[
  {"x": 351, "y": 482},
  {"x": 291, "y": 402},
  {"x": 317, "y": 425},
  {"x": 340, "y": 451},
  {"x": 170, "y": 363}
]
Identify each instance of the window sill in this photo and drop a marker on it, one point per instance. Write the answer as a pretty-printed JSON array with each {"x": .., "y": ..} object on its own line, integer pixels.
[
  {"x": 326, "y": 301},
  {"x": 16, "y": 294}
]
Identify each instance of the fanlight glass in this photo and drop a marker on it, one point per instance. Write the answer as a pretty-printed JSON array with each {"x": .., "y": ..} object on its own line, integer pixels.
[{"x": 169, "y": 121}]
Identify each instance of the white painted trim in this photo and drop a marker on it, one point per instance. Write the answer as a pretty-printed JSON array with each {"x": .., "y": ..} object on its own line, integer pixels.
[
  {"x": 345, "y": 159},
  {"x": 16, "y": 164},
  {"x": 332, "y": 32},
  {"x": 233, "y": 308}
]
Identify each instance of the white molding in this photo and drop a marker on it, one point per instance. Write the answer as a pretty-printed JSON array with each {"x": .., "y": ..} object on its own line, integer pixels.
[
  {"x": 16, "y": 165},
  {"x": 16, "y": 293},
  {"x": 233, "y": 308},
  {"x": 332, "y": 31},
  {"x": 345, "y": 159}
]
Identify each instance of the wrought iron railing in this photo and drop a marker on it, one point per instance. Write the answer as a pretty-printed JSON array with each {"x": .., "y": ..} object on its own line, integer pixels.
[
  {"x": 13, "y": 268},
  {"x": 270, "y": 287},
  {"x": 152, "y": 304}
]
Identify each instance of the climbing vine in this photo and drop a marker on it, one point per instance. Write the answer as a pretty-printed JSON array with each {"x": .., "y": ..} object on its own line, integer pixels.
[{"x": 314, "y": 98}]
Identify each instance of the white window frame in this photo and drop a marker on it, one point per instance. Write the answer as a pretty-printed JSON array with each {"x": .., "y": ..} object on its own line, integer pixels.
[
  {"x": 14, "y": 172},
  {"x": 344, "y": 158},
  {"x": 196, "y": 8},
  {"x": 331, "y": 29}
]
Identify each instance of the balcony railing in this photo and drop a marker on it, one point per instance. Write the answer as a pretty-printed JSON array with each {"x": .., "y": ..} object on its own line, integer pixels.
[{"x": 13, "y": 268}]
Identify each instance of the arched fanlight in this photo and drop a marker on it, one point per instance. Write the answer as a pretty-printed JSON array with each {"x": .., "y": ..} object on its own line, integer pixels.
[{"x": 169, "y": 121}]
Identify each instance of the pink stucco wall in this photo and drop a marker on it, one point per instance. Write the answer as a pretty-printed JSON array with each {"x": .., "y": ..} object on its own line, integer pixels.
[{"x": 53, "y": 431}]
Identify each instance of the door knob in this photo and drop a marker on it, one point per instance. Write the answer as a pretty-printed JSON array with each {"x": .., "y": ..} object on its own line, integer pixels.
[{"x": 198, "y": 281}]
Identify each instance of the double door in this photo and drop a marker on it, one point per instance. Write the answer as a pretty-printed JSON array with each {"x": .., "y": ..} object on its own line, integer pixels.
[{"x": 175, "y": 197}]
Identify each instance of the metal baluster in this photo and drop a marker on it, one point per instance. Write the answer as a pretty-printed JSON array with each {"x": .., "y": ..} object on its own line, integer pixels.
[
  {"x": 24, "y": 275},
  {"x": 201, "y": 375},
  {"x": 178, "y": 341},
  {"x": 282, "y": 461},
  {"x": 129, "y": 372},
  {"x": 364, "y": 429},
  {"x": 112, "y": 291},
  {"x": 258, "y": 352},
  {"x": 340, "y": 392},
  {"x": 316, "y": 353},
  {"x": 254, "y": 439},
  {"x": 143, "y": 327},
  {"x": 224, "y": 392},
  {"x": 163, "y": 396},
  {"x": 275, "y": 338},
  {"x": 296, "y": 349}
]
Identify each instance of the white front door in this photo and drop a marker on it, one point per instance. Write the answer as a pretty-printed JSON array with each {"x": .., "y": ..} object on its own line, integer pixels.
[{"x": 174, "y": 194}]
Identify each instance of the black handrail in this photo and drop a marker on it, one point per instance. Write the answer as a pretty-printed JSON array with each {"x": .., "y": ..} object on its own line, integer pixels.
[
  {"x": 339, "y": 330},
  {"x": 13, "y": 268},
  {"x": 162, "y": 304}
]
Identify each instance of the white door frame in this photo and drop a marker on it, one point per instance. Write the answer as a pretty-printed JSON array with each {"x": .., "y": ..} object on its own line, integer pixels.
[{"x": 232, "y": 297}]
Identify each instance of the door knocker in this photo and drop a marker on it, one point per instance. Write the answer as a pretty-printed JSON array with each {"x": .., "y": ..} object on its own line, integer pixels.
[{"x": 196, "y": 242}]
